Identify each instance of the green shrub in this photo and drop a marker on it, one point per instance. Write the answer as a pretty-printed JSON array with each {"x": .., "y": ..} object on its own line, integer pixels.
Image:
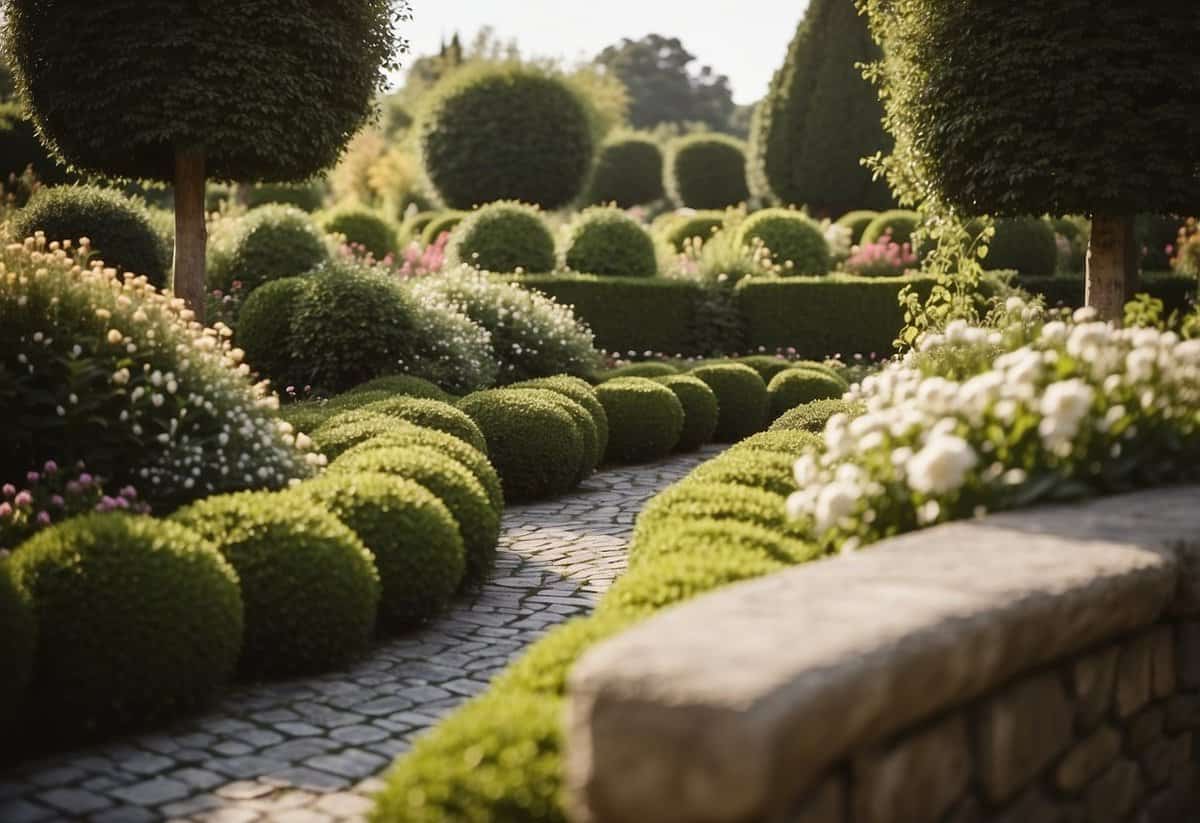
[
  {"x": 741, "y": 397},
  {"x": 17, "y": 645},
  {"x": 857, "y": 222},
  {"x": 811, "y": 417},
  {"x": 585, "y": 425},
  {"x": 691, "y": 500},
  {"x": 1025, "y": 245},
  {"x": 401, "y": 384},
  {"x": 343, "y": 430},
  {"x": 531, "y": 335},
  {"x": 446, "y": 221},
  {"x": 412, "y": 535},
  {"x": 266, "y": 244},
  {"x": 450, "y": 481},
  {"x": 363, "y": 227},
  {"x": 578, "y": 390},
  {"x": 21, "y": 149},
  {"x": 120, "y": 229},
  {"x": 512, "y": 774},
  {"x": 702, "y": 537},
  {"x": 767, "y": 365},
  {"x": 264, "y": 328},
  {"x": 822, "y": 367},
  {"x": 791, "y": 237},
  {"x": 503, "y": 237},
  {"x": 771, "y": 471},
  {"x": 628, "y": 172},
  {"x": 543, "y": 669},
  {"x": 683, "y": 228},
  {"x": 137, "y": 620},
  {"x": 707, "y": 171},
  {"x": 795, "y": 387},
  {"x": 700, "y": 411},
  {"x": 900, "y": 224},
  {"x": 534, "y": 445},
  {"x": 306, "y": 415},
  {"x": 650, "y": 369},
  {"x": 468, "y": 456},
  {"x": 645, "y": 419},
  {"x": 1155, "y": 233},
  {"x": 310, "y": 587},
  {"x": 304, "y": 196},
  {"x": 431, "y": 414},
  {"x": 782, "y": 441},
  {"x": 605, "y": 240},
  {"x": 413, "y": 228},
  {"x": 504, "y": 132}
]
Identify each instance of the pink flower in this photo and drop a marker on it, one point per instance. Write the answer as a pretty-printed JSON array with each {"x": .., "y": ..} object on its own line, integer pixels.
[
  {"x": 57, "y": 501},
  {"x": 43, "y": 518},
  {"x": 32, "y": 477},
  {"x": 73, "y": 488},
  {"x": 129, "y": 493},
  {"x": 6, "y": 510},
  {"x": 9, "y": 490},
  {"x": 23, "y": 499},
  {"x": 86, "y": 480},
  {"x": 50, "y": 468}
]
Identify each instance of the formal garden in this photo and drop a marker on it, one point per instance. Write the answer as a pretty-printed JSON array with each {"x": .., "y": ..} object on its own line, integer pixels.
[{"x": 344, "y": 418}]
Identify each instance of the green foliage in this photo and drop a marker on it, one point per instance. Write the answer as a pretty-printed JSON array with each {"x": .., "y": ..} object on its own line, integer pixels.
[
  {"x": 1155, "y": 234},
  {"x": 584, "y": 424},
  {"x": 811, "y": 417},
  {"x": 119, "y": 228},
  {"x": 453, "y": 484},
  {"x": 17, "y": 645},
  {"x": 411, "y": 534},
  {"x": 310, "y": 587},
  {"x": 271, "y": 91},
  {"x": 543, "y": 669},
  {"x": 430, "y": 414},
  {"x": 700, "y": 538},
  {"x": 505, "y": 132},
  {"x": 264, "y": 328},
  {"x": 533, "y": 443},
  {"x": 363, "y": 227},
  {"x": 651, "y": 368},
  {"x": 820, "y": 118},
  {"x": 269, "y": 243},
  {"x": 770, "y": 471},
  {"x": 767, "y": 365},
  {"x": 1177, "y": 291},
  {"x": 341, "y": 431},
  {"x": 511, "y": 774},
  {"x": 402, "y": 384},
  {"x": 791, "y": 238},
  {"x": 306, "y": 196},
  {"x": 1025, "y": 245},
  {"x": 645, "y": 419},
  {"x": 899, "y": 224},
  {"x": 857, "y": 221},
  {"x": 691, "y": 500},
  {"x": 700, "y": 411},
  {"x": 579, "y": 391},
  {"x": 707, "y": 171},
  {"x": 446, "y": 221},
  {"x": 741, "y": 397},
  {"x": 604, "y": 240},
  {"x": 21, "y": 149},
  {"x": 795, "y": 387},
  {"x": 628, "y": 172},
  {"x": 137, "y": 620},
  {"x": 684, "y": 227},
  {"x": 790, "y": 442},
  {"x": 503, "y": 237}
]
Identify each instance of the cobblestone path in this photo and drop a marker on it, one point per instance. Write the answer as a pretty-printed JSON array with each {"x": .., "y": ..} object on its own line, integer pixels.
[{"x": 312, "y": 751}]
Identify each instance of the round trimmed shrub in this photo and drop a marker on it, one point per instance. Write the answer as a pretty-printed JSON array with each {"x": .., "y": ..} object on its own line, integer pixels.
[
  {"x": 264, "y": 328},
  {"x": 586, "y": 427},
  {"x": 897, "y": 223},
  {"x": 137, "y": 620},
  {"x": 310, "y": 587},
  {"x": 767, "y": 365},
  {"x": 534, "y": 445},
  {"x": 700, "y": 410},
  {"x": 1025, "y": 245},
  {"x": 693, "y": 500},
  {"x": 307, "y": 415},
  {"x": 506, "y": 745},
  {"x": 754, "y": 469},
  {"x": 120, "y": 229},
  {"x": 812, "y": 417},
  {"x": 506, "y": 133},
  {"x": 415, "y": 540},
  {"x": 857, "y": 222},
  {"x": 503, "y": 237},
  {"x": 453, "y": 484},
  {"x": 707, "y": 537},
  {"x": 333, "y": 439},
  {"x": 795, "y": 387},
  {"x": 628, "y": 172},
  {"x": 413, "y": 227},
  {"x": 683, "y": 228},
  {"x": 790, "y": 442},
  {"x": 707, "y": 171},
  {"x": 446, "y": 221},
  {"x": 543, "y": 669},
  {"x": 605, "y": 240},
  {"x": 363, "y": 227},
  {"x": 791, "y": 237},
  {"x": 17, "y": 644},
  {"x": 582, "y": 393},
  {"x": 304, "y": 196},
  {"x": 645, "y": 419},
  {"x": 471, "y": 458},
  {"x": 741, "y": 397},
  {"x": 648, "y": 369},
  {"x": 406, "y": 385},
  {"x": 268, "y": 243},
  {"x": 432, "y": 414},
  {"x": 822, "y": 367}
]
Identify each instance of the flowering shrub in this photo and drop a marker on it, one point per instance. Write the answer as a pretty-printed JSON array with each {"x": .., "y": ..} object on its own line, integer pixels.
[
  {"x": 109, "y": 370},
  {"x": 224, "y": 306},
  {"x": 976, "y": 420},
  {"x": 418, "y": 261},
  {"x": 882, "y": 258}
]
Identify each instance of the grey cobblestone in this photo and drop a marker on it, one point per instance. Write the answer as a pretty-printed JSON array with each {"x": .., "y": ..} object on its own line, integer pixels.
[{"x": 312, "y": 751}]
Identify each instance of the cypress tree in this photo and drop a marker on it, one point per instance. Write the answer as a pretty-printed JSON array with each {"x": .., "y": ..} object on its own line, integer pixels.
[{"x": 820, "y": 118}]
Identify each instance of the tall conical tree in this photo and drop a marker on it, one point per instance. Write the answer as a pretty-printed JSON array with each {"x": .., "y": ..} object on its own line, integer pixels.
[{"x": 820, "y": 118}]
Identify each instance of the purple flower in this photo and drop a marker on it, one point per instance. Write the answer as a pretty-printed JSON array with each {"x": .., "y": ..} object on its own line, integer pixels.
[
  {"x": 74, "y": 488},
  {"x": 6, "y": 510},
  {"x": 9, "y": 490},
  {"x": 43, "y": 518},
  {"x": 129, "y": 493},
  {"x": 120, "y": 502},
  {"x": 50, "y": 468},
  {"x": 32, "y": 477},
  {"x": 57, "y": 501},
  {"x": 86, "y": 480},
  {"x": 23, "y": 499},
  {"x": 106, "y": 504}
]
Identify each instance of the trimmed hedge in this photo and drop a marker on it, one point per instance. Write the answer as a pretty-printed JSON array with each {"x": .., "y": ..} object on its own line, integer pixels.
[
  {"x": 585, "y": 425},
  {"x": 1175, "y": 290},
  {"x": 414, "y": 539},
  {"x": 651, "y": 369},
  {"x": 606, "y": 241},
  {"x": 543, "y": 669},
  {"x": 857, "y": 222},
  {"x": 781, "y": 441},
  {"x": 700, "y": 410},
  {"x": 269, "y": 243},
  {"x": 1025, "y": 245},
  {"x": 628, "y": 172},
  {"x": 503, "y": 237},
  {"x": 363, "y": 227},
  {"x": 400, "y": 384},
  {"x": 645, "y": 419},
  {"x": 704, "y": 537},
  {"x": 304, "y": 196},
  {"x": 582, "y": 393},
  {"x": 432, "y": 414},
  {"x": 791, "y": 237},
  {"x": 310, "y": 587},
  {"x": 767, "y": 365},
  {"x": 741, "y": 397},
  {"x": 898, "y": 222},
  {"x": 264, "y": 328},
  {"x": 17, "y": 644},
  {"x": 335, "y": 438},
  {"x": 681, "y": 228},
  {"x": 534, "y": 445},
  {"x": 692, "y": 500},
  {"x": 446, "y": 221},
  {"x": 812, "y": 417},
  {"x": 707, "y": 171},
  {"x": 137, "y": 620},
  {"x": 770, "y": 471},
  {"x": 795, "y": 387}
]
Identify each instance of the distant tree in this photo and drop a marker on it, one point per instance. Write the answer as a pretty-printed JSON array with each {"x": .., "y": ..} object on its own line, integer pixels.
[{"x": 663, "y": 86}]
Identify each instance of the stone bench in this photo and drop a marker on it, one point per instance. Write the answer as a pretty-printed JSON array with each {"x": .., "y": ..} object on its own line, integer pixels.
[{"x": 1041, "y": 665}]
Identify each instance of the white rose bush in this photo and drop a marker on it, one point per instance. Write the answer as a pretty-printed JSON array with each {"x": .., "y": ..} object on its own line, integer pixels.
[{"x": 1040, "y": 408}]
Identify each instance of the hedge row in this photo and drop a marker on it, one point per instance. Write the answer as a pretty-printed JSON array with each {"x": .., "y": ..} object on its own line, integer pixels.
[{"x": 1177, "y": 291}]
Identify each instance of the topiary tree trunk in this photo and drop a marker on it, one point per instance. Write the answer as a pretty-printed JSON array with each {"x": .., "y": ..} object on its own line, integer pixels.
[
  {"x": 1109, "y": 255},
  {"x": 191, "y": 234}
]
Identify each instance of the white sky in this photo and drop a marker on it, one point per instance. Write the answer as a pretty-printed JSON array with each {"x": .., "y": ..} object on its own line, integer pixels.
[{"x": 745, "y": 40}]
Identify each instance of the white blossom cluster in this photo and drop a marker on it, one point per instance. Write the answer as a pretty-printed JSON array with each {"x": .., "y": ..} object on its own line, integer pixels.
[{"x": 1052, "y": 410}]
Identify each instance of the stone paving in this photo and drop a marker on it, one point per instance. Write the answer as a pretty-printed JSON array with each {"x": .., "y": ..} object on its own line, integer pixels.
[{"x": 312, "y": 751}]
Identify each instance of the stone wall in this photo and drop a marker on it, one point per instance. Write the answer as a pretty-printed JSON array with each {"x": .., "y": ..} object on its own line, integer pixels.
[{"x": 1036, "y": 667}]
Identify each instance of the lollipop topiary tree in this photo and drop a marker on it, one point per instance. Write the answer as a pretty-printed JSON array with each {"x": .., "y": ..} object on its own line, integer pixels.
[{"x": 229, "y": 90}]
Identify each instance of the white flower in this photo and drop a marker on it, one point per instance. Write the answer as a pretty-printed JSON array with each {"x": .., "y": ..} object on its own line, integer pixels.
[
  {"x": 941, "y": 465},
  {"x": 834, "y": 502},
  {"x": 1067, "y": 401}
]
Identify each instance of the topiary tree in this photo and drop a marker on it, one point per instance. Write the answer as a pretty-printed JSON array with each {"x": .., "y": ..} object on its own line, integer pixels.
[
  {"x": 688, "y": 227},
  {"x": 264, "y": 328},
  {"x": 1116, "y": 133},
  {"x": 645, "y": 419},
  {"x": 707, "y": 171},
  {"x": 791, "y": 237},
  {"x": 820, "y": 118},
  {"x": 605, "y": 240},
  {"x": 700, "y": 411},
  {"x": 741, "y": 396},
  {"x": 628, "y": 172},
  {"x": 268, "y": 243},
  {"x": 228, "y": 89},
  {"x": 503, "y": 237},
  {"x": 363, "y": 227},
  {"x": 506, "y": 133}
]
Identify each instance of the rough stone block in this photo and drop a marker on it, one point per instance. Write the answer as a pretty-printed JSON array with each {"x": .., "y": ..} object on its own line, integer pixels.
[
  {"x": 1134, "y": 675},
  {"x": 824, "y": 804},
  {"x": 1019, "y": 732},
  {"x": 1187, "y": 595},
  {"x": 1092, "y": 679},
  {"x": 1156, "y": 762},
  {"x": 1031, "y": 807},
  {"x": 1088, "y": 758},
  {"x": 1146, "y": 728},
  {"x": 1187, "y": 648},
  {"x": 917, "y": 779},
  {"x": 1162, "y": 662},
  {"x": 1111, "y": 797},
  {"x": 1183, "y": 713}
]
